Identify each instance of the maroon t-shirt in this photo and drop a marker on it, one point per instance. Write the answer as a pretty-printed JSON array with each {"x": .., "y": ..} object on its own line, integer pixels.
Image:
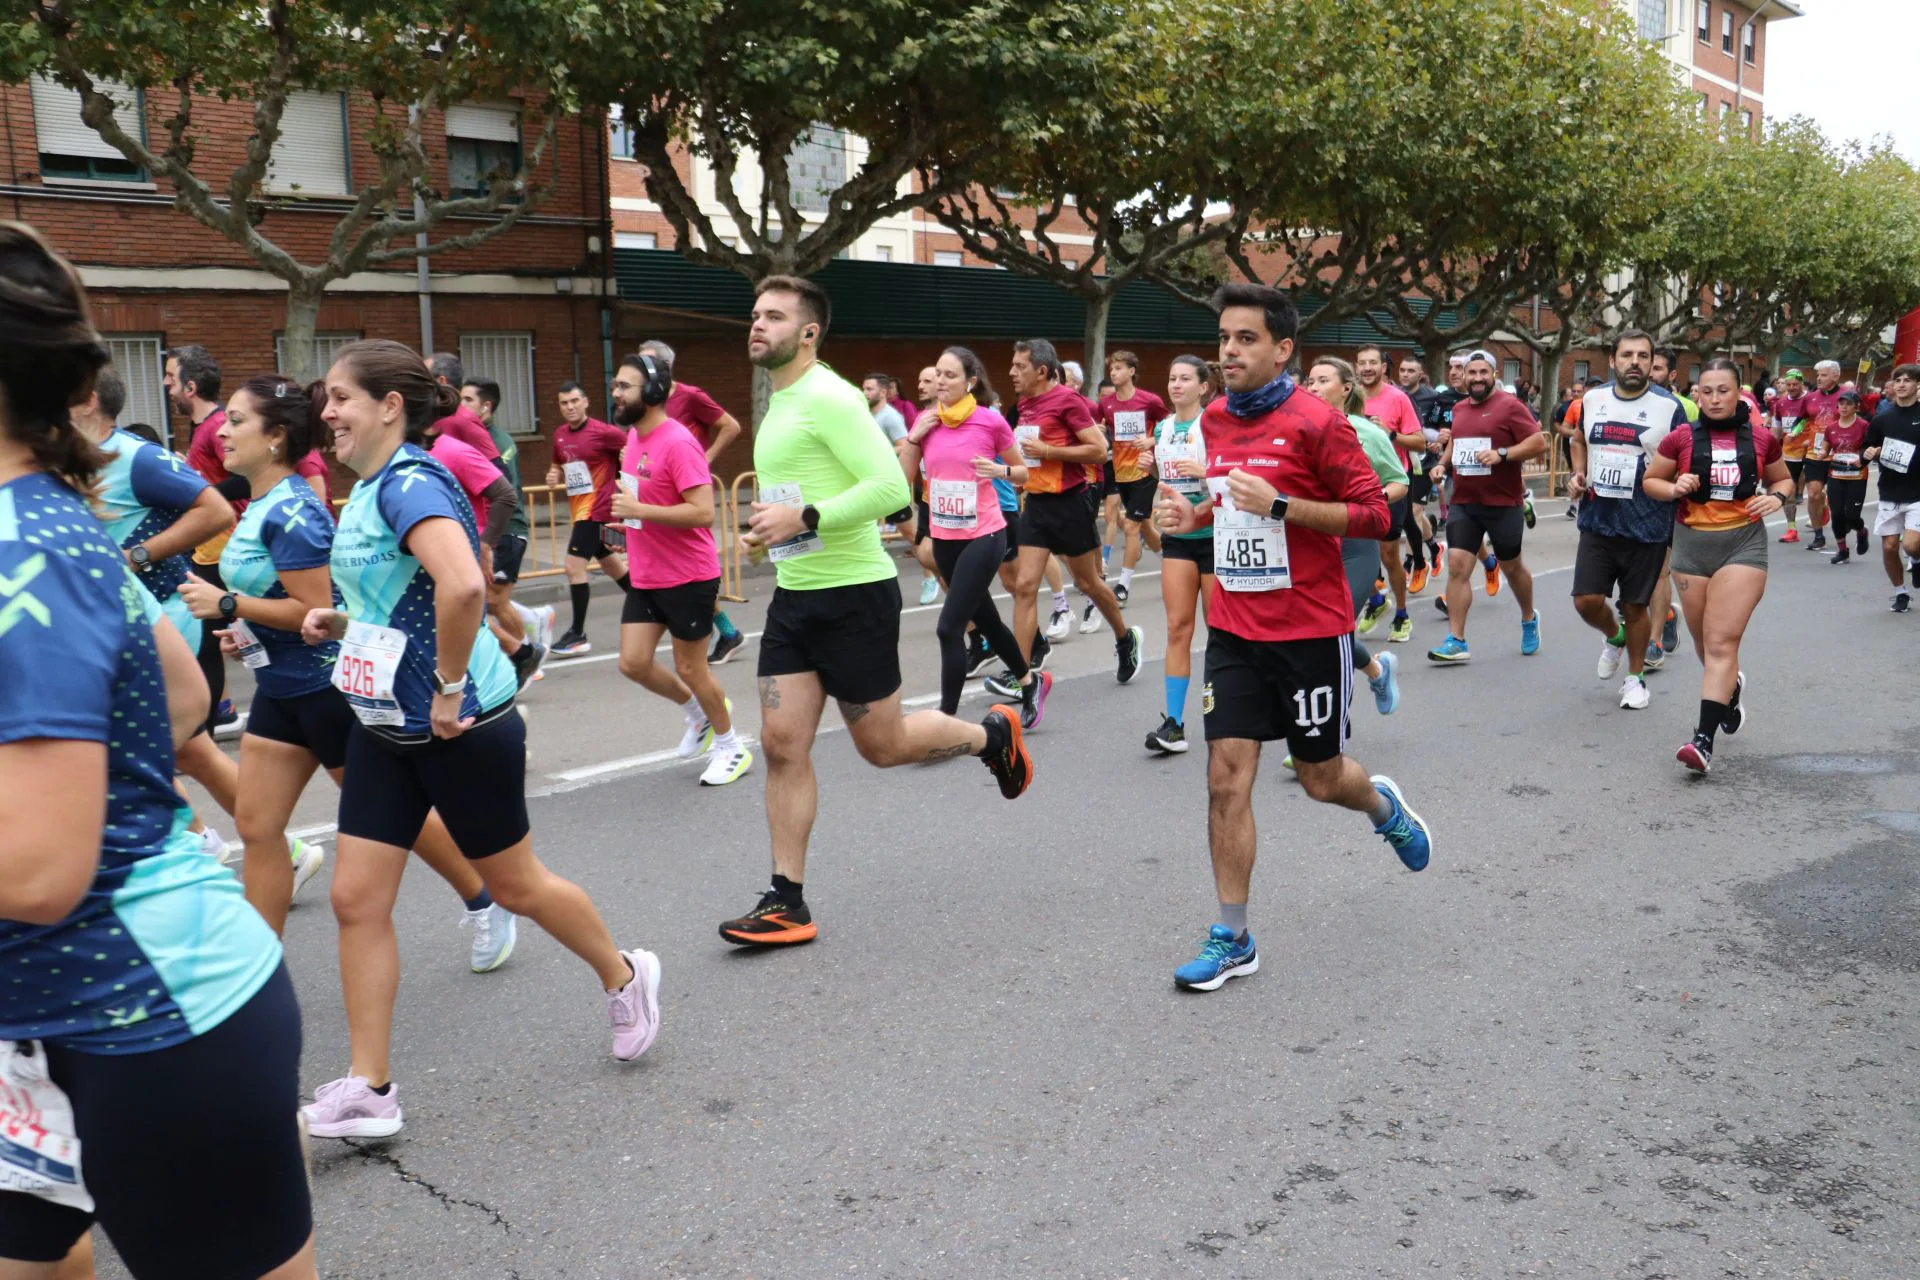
[
  {"x": 1504, "y": 420},
  {"x": 463, "y": 426},
  {"x": 695, "y": 410}
]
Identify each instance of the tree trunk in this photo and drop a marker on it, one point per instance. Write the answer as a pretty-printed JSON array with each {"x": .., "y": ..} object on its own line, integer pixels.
[
  {"x": 1093, "y": 350},
  {"x": 303, "y": 318}
]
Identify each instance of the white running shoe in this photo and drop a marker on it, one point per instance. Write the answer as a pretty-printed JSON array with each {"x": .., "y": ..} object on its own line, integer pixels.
[
  {"x": 634, "y": 1010},
  {"x": 724, "y": 767},
  {"x": 1611, "y": 656},
  {"x": 494, "y": 933},
  {"x": 543, "y": 626},
  {"x": 1090, "y": 619},
  {"x": 307, "y": 861},
  {"x": 214, "y": 845},
  {"x": 1059, "y": 624},
  {"x": 698, "y": 739},
  {"x": 1633, "y": 693}
]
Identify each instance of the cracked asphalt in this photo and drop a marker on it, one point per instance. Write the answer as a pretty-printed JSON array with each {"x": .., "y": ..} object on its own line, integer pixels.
[{"x": 1630, "y": 1024}]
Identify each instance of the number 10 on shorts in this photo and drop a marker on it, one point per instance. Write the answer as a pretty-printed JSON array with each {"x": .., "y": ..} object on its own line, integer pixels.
[{"x": 1313, "y": 708}]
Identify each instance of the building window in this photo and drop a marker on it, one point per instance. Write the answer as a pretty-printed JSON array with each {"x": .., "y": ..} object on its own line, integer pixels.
[
  {"x": 635, "y": 240},
  {"x": 883, "y": 253},
  {"x": 1748, "y": 36},
  {"x": 949, "y": 258},
  {"x": 1726, "y": 109},
  {"x": 1726, "y": 31},
  {"x": 1706, "y": 105},
  {"x": 507, "y": 358},
  {"x": 1746, "y": 122},
  {"x": 1582, "y": 370},
  {"x": 817, "y": 168},
  {"x": 1653, "y": 19},
  {"x": 69, "y": 148},
  {"x": 1693, "y": 375},
  {"x": 1510, "y": 372},
  {"x": 140, "y": 360},
  {"x": 311, "y": 157},
  {"x": 1703, "y": 20},
  {"x": 483, "y": 143},
  {"x": 326, "y": 349},
  {"x": 619, "y": 134}
]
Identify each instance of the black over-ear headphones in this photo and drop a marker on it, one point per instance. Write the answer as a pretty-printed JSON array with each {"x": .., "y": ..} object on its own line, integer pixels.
[{"x": 656, "y": 383}]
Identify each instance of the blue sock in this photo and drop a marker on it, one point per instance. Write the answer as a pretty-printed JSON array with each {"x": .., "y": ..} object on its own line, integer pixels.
[
  {"x": 480, "y": 903},
  {"x": 722, "y": 621},
  {"x": 1177, "y": 697},
  {"x": 1398, "y": 614},
  {"x": 1376, "y": 601}
]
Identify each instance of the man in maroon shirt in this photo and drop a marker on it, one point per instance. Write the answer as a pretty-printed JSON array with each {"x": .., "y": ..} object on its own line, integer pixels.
[
  {"x": 1393, "y": 410},
  {"x": 1286, "y": 481},
  {"x": 1486, "y": 450}
]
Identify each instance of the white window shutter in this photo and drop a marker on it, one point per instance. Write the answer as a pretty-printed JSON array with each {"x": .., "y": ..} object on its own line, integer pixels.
[
  {"x": 61, "y": 131},
  {"x": 489, "y": 124},
  {"x": 310, "y": 159},
  {"x": 507, "y": 358},
  {"x": 139, "y": 360}
]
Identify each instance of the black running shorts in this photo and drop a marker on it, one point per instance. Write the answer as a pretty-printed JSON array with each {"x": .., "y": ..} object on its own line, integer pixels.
[
  {"x": 686, "y": 611},
  {"x": 1603, "y": 563},
  {"x": 478, "y": 782},
  {"x": 320, "y": 721},
  {"x": 847, "y": 636},
  {"x": 1198, "y": 551},
  {"x": 588, "y": 541},
  {"x": 508, "y": 555},
  {"x": 1469, "y": 524},
  {"x": 1063, "y": 523},
  {"x": 1265, "y": 690}
]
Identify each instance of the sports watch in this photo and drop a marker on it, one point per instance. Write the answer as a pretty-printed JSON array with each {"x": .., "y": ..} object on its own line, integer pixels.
[
  {"x": 443, "y": 686},
  {"x": 229, "y": 607},
  {"x": 139, "y": 556},
  {"x": 1279, "y": 509}
]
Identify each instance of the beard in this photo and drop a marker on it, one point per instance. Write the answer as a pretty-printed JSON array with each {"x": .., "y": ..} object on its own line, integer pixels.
[
  {"x": 1632, "y": 382},
  {"x": 778, "y": 354},
  {"x": 626, "y": 415}
]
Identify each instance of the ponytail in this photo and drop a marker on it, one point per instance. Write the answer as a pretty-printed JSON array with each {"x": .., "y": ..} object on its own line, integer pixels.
[{"x": 49, "y": 354}]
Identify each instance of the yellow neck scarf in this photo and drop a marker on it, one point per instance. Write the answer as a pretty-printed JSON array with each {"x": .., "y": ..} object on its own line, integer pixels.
[{"x": 958, "y": 412}]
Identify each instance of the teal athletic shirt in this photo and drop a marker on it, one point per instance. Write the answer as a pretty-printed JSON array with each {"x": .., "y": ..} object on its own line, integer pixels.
[
  {"x": 818, "y": 434},
  {"x": 163, "y": 947},
  {"x": 1173, "y": 439},
  {"x": 509, "y": 464},
  {"x": 142, "y": 491},
  {"x": 383, "y": 585},
  {"x": 286, "y": 528}
]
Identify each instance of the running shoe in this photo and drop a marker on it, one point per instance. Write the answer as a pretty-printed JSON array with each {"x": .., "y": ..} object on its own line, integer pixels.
[
  {"x": 1090, "y": 619},
  {"x": 1736, "y": 717},
  {"x": 1900, "y": 601},
  {"x": 1286, "y": 761},
  {"x": 1670, "y": 632},
  {"x": 1842, "y": 556},
  {"x": 724, "y": 647},
  {"x": 543, "y": 625},
  {"x": 1002, "y": 684},
  {"x": 1633, "y": 693},
  {"x": 1120, "y": 593},
  {"x": 1697, "y": 755},
  {"x": 698, "y": 739},
  {"x": 1440, "y": 604},
  {"x": 214, "y": 845},
  {"x": 1791, "y": 535},
  {"x": 929, "y": 590},
  {"x": 634, "y": 1009},
  {"x": 724, "y": 767},
  {"x": 1819, "y": 542},
  {"x": 350, "y": 1108},
  {"x": 1059, "y": 624},
  {"x": 1404, "y": 829},
  {"x": 1223, "y": 957},
  {"x": 1492, "y": 566},
  {"x": 1128, "y": 650},
  {"x": 1042, "y": 650},
  {"x": 307, "y": 861},
  {"x": 771, "y": 924},
  {"x": 1611, "y": 656},
  {"x": 1170, "y": 739},
  {"x": 1371, "y": 614},
  {"x": 1656, "y": 657},
  {"x": 225, "y": 721},
  {"x": 1010, "y": 766},
  {"x": 570, "y": 645},
  {"x": 1530, "y": 634},
  {"x": 979, "y": 655},
  {"x": 1860, "y": 541},
  {"x": 526, "y": 662},
  {"x": 494, "y": 931},
  {"x": 1526, "y": 508},
  {"x": 1573, "y": 510},
  {"x": 1402, "y": 630},
  {"x": 1033, "y": 700},
  {"x": 1386, "y": 687},
  {"x": 1452, "y": 649},
  {"x": 1417, "y": 580}
]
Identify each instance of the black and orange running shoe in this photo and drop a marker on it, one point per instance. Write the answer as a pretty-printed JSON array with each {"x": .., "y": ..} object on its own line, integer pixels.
[
  {"x": 1007, "y": 759},
  {"x": 771, "y": 924}
]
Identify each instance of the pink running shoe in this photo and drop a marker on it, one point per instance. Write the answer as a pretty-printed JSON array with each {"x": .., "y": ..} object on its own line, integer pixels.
[
  {"x": 350, "y": 1108},
  {"x": 635, "y": 1008}
]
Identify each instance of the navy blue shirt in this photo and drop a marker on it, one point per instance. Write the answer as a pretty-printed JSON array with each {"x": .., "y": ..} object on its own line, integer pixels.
[{"x": 1621, "y": 436}]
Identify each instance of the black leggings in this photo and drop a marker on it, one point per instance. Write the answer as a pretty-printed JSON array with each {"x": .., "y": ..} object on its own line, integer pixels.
[
  {"x": 213, "y": 663},
  {"x": 969, "y": 568},
  {"x": 1846, "y": 497},
  {"x": 1361, "y": 559}
]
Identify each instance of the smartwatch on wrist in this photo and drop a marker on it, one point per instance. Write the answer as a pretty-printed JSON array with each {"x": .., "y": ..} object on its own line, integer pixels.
[
  {"x": 139, "y": 556},
  {"x": 229, "y": 607},
  {"x": 1278, "y": 511},
  {"x": 810, "y": 516},
  {"x": 441, "y": 685},
  {"x": 1502, "y": 453}
]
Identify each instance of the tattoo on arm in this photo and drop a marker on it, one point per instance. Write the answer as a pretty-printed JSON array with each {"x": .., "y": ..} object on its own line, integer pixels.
[
  {"x": 769, "y": 693},
  {"x": 854, "y": 712},
  {"x": 953, "y": 752}
]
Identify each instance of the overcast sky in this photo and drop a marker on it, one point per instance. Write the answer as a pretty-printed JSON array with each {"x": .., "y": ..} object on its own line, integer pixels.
[{"x": 1850, "y": 65}]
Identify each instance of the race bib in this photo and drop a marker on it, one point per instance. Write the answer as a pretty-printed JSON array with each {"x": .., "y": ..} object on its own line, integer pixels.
[
  {"x": 1896, "y": 455},
  {"x": 1192, "y": 488},
  {"x": 1847, "y": 466},
  {"x": 803, "y": 543},
  {"x": 1129, "y": 426},
  {"x": 630, "y": 485},
  {"x": 1613, "y": 469},
  {"x": 954, "y": 504},
  {"x": 1249, "y": 550},
  {"x": 1465, "y": 461},
  {"x": 1029, "y": 431},
  {"x": 39, "y": 1148},
  {"x": 251, "y": 652},
  {"x": 369, "y": 660},
  {"x": 579, "y": 479},
  {"x": 1723, "y": 475}
]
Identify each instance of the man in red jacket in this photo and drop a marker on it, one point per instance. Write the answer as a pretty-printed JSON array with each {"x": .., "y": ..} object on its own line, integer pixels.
[{"x": 1286, "y": 481}]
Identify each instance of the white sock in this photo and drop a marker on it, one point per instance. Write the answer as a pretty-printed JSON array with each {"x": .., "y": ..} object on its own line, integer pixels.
[
  {"x": 691, "y": 710},
  {"x": 726, "y": 742},
  {"x": 1126, "y": 579},
  {"x": 1060, "y": 600}
]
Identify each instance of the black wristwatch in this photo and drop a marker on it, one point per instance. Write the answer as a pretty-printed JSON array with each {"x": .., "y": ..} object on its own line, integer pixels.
[
  {"x": 229, "y": 607},
  {"x": 810, "y": 517},
  {"x": 1502, "y": 453},
  {"x": 1278, "y": 511},
  {"x": 139, "y": 556}
]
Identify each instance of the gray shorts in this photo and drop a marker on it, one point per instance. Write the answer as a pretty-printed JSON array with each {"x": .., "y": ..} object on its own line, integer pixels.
[{"x": 1701, "y": 555}]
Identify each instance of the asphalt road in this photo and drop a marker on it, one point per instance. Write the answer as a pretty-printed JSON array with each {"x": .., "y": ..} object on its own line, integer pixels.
[{"x": 1629, "y": 1024}]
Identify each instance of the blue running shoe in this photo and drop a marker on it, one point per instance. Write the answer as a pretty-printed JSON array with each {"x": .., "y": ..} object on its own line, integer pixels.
[
  {"x": 1452, "y": 649},
  {"x": 1530, "y": 635},
  {"x": 1406, "y": 830},
  {"x": 1656, "y": 657},
  {"x": 1223, "y": 957},
  {"x": 494, "y": 931},
  {"x": 1670, "y": 632},
  {"x": 1386, "y": 689}
]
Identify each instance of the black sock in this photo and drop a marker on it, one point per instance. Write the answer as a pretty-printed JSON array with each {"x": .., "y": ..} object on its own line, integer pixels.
[
  {"x": 1417, "y": 552},
  {"x": 384, "y": 1089},
  {"x": 581, "y": 593},
  {"x": 997, "y": 735},
  {"x": 1712, "y": 716},
  {"x": 481, "y": 902},
  {"x": 624, "y": 583},
  {"x": 1916, "y": 575},
  {"x": 790, "y": 891}
]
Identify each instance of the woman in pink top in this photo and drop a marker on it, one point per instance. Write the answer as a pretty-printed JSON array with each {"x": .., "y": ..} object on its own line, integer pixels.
[
  {"x": 966, "y": 446},
  {"x": 488, "y": 490}
]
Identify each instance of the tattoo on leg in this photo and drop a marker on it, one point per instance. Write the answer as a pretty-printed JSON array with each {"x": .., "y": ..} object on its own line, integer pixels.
[
  {"x": 953, "y": 752},
  {"x": 1682, "y": 584},
  {"x": 769, "y": 693},
  {"x": 854, "y": 712}
]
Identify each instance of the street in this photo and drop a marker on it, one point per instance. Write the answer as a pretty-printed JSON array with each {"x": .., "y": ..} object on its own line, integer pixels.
[{"x": 1630, "y": 1023}]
